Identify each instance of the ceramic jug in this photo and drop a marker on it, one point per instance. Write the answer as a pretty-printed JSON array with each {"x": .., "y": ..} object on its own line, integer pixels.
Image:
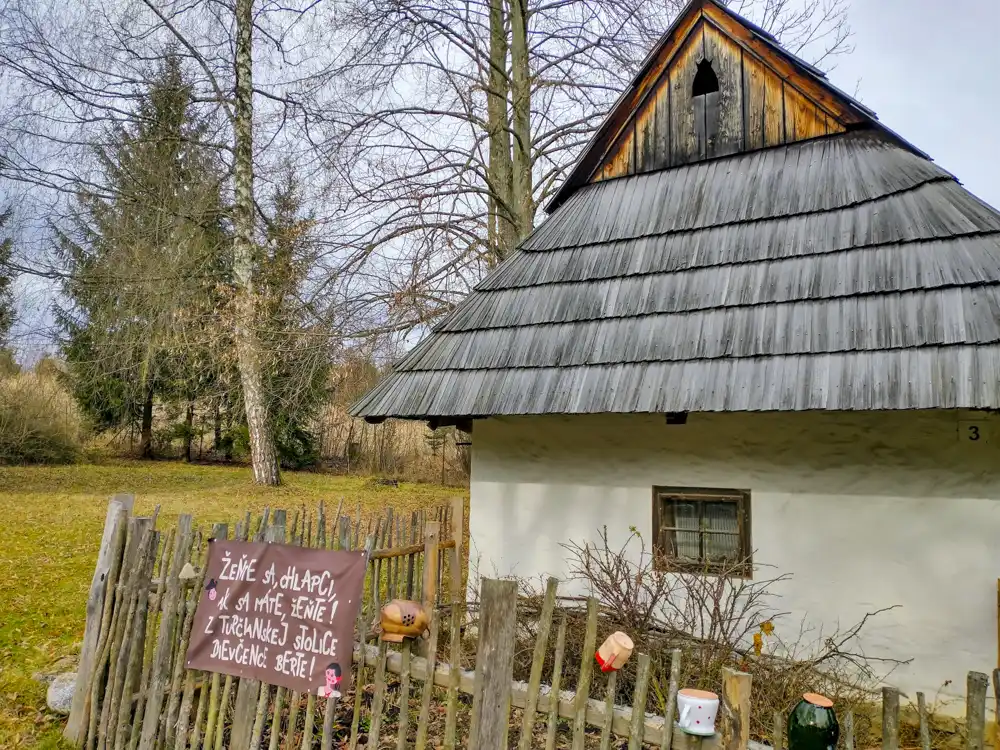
[
  {"x": 403, "y": 619},
  {"x": 614, "y": 652},
  {"x": 812, "y": 725}
]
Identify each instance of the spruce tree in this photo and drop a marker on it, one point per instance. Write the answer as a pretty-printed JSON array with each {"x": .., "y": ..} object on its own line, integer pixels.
[{"x": 148, "y": 257}]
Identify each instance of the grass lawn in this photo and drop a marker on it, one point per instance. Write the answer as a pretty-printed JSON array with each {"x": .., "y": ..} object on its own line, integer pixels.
[{"x": 50, "y": 528}]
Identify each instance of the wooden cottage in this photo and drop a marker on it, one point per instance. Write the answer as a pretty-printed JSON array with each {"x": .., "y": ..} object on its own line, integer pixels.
[{"x": 751, "y": 301}]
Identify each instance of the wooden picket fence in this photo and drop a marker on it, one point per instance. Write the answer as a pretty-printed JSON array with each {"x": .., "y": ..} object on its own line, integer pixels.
[
  {"x": 135, "y": 693},
  {"x": 133, "y": 690}
]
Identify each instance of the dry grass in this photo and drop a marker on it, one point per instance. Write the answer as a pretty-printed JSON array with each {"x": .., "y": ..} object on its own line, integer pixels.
[
  {"x": 50, "y": 530},
  {"x": 39, "y": 421}
]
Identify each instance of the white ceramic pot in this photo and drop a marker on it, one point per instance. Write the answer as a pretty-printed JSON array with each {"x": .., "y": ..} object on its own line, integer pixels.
[{"x": 696, "y": 711}]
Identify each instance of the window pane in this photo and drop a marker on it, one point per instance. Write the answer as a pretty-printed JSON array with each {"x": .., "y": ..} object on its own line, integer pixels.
[
  {"x": 722, "y": 517},
  {"x": 686, "y": 517}
]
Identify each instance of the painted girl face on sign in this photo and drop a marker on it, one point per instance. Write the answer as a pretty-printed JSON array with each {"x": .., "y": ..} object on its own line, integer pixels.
[
  {"x": 333, "y": 680},
  {"x": 212, "y": 589}
]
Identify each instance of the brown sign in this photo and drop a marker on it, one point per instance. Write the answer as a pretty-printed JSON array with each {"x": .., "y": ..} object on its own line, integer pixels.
[{"x": 279, "y": 614}]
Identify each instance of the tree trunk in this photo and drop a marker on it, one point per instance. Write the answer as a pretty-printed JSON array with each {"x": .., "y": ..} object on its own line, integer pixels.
[
  {"x": 189, "y": 431},
  {"x": 146, "y": 434},
  {"x": 217, "y": 436},
  {"x": 263, "y": 455},
  {"x": 504, "y": 229},
  {"x": 523, "y": 198}
]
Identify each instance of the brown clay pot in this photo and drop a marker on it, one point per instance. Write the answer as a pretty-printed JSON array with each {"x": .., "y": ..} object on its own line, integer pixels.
[{"x": 403, "y": 619}]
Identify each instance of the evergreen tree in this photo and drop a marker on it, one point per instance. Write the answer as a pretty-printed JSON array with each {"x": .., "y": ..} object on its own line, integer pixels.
[{"x": 149, "y": 257}]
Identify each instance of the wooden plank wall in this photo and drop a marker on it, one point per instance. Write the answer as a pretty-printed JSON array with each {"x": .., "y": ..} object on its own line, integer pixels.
[{"x": 756, "y": 107}]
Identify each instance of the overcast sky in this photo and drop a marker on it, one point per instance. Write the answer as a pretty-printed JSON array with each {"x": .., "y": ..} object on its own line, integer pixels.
[{"x": 931, "y": 70}]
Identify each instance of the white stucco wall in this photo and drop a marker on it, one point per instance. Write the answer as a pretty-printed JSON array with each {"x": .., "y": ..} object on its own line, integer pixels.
[{"x": 864, "y": 510}]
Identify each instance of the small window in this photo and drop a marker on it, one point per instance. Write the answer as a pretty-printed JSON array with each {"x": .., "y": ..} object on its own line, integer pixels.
[
  {"x": 704, "y": 530},
  {"x": 705, "y": 80}
]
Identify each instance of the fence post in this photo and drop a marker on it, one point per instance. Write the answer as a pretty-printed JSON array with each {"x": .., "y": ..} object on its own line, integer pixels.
[
  {"x": 245, "y": 724},
  {"x": 171, "y": 606},
  {"x": 494, "y": 665},
  {"x": 586, "y": 675},
  {"x": 671, "y": 707},
  {"x": 975, "y": 710},
  {"x": 735, "y": 725},
  {"x": 890, "y": 718},
  {"x": 431, "y": 538},
  {"x": 458, "y": 534},
  {"x": 119, "y": 510},
  {"x": 996, "y": 708}
]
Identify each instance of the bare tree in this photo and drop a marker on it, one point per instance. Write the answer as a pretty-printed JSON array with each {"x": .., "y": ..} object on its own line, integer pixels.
[{"x": 471, "y": 114}]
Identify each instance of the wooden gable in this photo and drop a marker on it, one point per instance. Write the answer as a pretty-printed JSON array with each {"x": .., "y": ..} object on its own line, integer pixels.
[{"x": 749, "y": 96}]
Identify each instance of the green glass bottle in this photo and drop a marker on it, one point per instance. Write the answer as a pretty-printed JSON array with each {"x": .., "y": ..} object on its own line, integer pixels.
[{"x": 812, "y": 725}]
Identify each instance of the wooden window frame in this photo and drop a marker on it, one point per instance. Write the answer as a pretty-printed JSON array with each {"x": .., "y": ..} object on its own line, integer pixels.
[{"x": 741, "y": 498}]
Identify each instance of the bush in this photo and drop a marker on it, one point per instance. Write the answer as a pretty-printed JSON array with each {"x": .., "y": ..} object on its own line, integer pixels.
[
  {"x": 39, "y": 421},
  {"x": 723, "y": 620},
  {"x": 715, "y": 620}
]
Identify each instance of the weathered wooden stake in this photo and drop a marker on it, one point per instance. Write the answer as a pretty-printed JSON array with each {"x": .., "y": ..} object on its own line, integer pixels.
[
  {"x": 431, "y": 538},
  {"x": 219, "y": 531},
  {"x": 778, "y": 731},
  {"x": 177, "y": 716},
  {"x": 996, "y": 708},
  {"x": 609, "y": 711},
  {"x": 494, "y": 662},
  {"x": 586, "y": 674},
  {"x": 248, "y": 692},
  {"x": 101, "y": 592},
  {"x": 849, "y": 731},
  {"x": 735, "y": 710},
  {"x": 639, "y": 703},
  {"x": 378, "y": 700},
  {"x": 537, "y": 661},
  {"x": 404, "y": 696},
  {"x": 279, "y": 705},
  {"x": 307, "y": 731},
  {"x": 557, "y": 668},
  {"x": 455, "y": 656},
  {"x": 361, "y": 628},
  {"x": 423, "y": 720},
  {"x": 975, "y": 710},
  {"x": 457, "y": 534},
  {"x": 171, "y": 604},
  {"x": 890, "y": 718},
  {"x": 925, "y": 733},
  {"x": 668, "y": 713}
]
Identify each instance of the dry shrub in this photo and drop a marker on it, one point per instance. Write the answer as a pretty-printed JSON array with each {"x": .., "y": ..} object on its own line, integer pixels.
[
  {"x": 39, "y": 421},
  {"x": 716, "y": 620},
  {"x": 721, "y": 619}
]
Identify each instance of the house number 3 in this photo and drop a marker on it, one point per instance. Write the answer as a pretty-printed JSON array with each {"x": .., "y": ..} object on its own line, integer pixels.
[{"x": 973, "y": 432}]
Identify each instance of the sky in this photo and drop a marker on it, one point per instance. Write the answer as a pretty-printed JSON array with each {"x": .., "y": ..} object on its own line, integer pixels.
[{"x": 929, "y": 69}]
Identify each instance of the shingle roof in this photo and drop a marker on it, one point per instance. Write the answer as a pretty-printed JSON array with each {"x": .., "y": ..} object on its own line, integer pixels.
[{"x": 843, "y": 273}]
